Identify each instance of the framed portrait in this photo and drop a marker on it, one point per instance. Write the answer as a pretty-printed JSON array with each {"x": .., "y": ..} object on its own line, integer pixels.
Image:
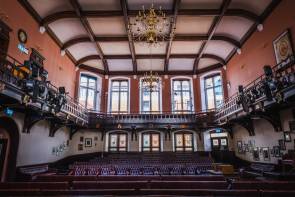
[
  {"x": 240, "y": 146},
  {"x": 88, "y": 142},
  {"x": 283, "y": 47},
  {"x": 215, "y": 142},
  {"x": 223, "y": 142},
  {"x": 246, "y": 147},
  {"x": 265, "y": 153},
  {"x": 80, "y": 147},
  {"x": 81, "y": 139},
  {"x": 282, "y": 144},
  {"x": 287, "y": 136},
  {"x": 276, "y": 151},
  {"x": 53, "y": 151},
  {"x": 256, "y": 154}
]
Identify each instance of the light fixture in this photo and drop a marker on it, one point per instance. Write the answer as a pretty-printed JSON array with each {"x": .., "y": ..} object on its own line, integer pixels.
[
  {"x": 239, "y": 51},
  {"x": 106, "y": 76},
  {"x": 165, "y": 76},
  {"x": 134, "y": 77},
  {"x": 224, "y": 67},
  {"x": 194, "y": 76},
  {"x": 151, "y": 26},
  {"x": 42, "y": 29},
  {"x": 150, "y": 81},
  {"x": 228, "y": 85},
  {"x": 77, "y": 68},
  {"x": 62, "y": 52},
  {"x": 260, "y": 27}
]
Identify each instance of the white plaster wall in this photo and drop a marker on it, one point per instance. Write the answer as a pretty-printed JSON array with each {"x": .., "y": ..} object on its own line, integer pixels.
[{"x": 265, "y": 136}]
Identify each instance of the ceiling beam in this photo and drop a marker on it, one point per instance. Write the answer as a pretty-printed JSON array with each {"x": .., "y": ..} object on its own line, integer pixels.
[
  {"x": 216, "y": 22},
  {"x": 182, "y": 12},
  {"x": 177, "y": 37},
  {"x": 172, "y": 31},
  {"x": 130, "y": 38},
  {"x": 89, "y": 31},
  {"x": 148, "y": 56}
]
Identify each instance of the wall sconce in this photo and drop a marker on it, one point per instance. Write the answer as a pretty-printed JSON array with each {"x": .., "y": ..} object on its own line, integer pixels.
[
  {"x": 106, "y": 76},
  {"x": 134, "y": 76},
  {"x": 165, "y": 76},
  {"x": 228, "y": 85},
  {"x": 62, "y": 52},
  {"x": 77, "y": 68},
  {"x": 239, "y": 51},
  {"x": 260, "y": 27},
  {"x": 194, "y": 76},
  {"x": 42, "y": 29}
]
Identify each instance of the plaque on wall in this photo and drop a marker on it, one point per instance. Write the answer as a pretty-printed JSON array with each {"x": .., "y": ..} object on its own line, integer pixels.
[{"x": 283, "y": 47}]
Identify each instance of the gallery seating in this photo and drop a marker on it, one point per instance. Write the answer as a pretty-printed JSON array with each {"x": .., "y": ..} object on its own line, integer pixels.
[{"x": 257, "y": 169}]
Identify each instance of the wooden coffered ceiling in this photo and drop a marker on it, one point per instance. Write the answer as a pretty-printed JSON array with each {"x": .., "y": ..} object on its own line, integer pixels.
[{"x": 94, "y": 33}]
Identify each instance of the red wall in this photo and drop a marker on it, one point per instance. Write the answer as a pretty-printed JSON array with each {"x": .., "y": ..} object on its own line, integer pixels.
[
  {"x": 258, "y": 50},
  {"x": 61, "y": 69}
]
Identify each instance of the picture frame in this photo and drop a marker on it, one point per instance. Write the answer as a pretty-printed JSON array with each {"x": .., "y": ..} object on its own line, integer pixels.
[
  {"x": 88, "y": 142},
  {"x": 247, "y": 148},
  {"x": 80, "y": 147},
  {"x": 276, "y": 151},
  {"x": 240, "y": 147},
  {"x": 265, "y": 153},
  {"x": 223, "y": 142},
  {"x": 283, "y": 47},
  {"x": 287, "y": 136},
  {"x": 81, "y": 139},
  {"x": 256, "y": 154},
  {"x": 282, "y": 144}
]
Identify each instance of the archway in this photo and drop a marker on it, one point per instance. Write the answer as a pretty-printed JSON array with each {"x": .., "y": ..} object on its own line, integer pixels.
[{"x": 9, "y": 126}]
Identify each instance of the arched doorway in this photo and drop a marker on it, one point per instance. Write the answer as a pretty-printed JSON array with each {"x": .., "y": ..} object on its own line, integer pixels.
[{"x": 9, "y": 141}]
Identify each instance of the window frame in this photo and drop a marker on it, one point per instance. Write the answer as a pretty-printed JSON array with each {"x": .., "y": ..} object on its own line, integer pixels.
[
  {"x": 151, "y": 133},
  {"x": 120, "y": 79},
  {"x": 141, "y": 98},
  {"x": 118, "y": 142},
  {"x": 184, "y": 147},
  {"x": 213, "y": 88},
  {"x": 96, "y": 91},
  {"x": 191, "y": 92}
]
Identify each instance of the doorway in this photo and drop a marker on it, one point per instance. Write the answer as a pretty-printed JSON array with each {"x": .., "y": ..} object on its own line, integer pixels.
[
  {"x": 4, "y": 39},
  {"x": 3, "y": 147}
]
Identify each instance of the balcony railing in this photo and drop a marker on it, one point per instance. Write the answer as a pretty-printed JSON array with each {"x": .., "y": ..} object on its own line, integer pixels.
[
  {"x": 10, "y": 75},
  {"x": 230, "y": 106}
]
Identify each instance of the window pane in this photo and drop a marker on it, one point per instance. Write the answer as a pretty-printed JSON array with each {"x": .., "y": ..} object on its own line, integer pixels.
[
  {"x": 115, "y": 102},
  {"x": 218, "y": 95},
  {"x": 90, "y": 99},
  {"x": 210, "y": 99},
  {"x": 115, "y": 86},
  {"x": 217, "y": 80},
  {"x": 155, "y": 140},
  {"x": 123, "y": 140},
  {"x": 146, "y": 101},
  {"x": 146, "y": 140},
  {"x": 92, "y": 83},
  {"x": 208, "y": 83},
  {"x": 113, "y": 140},
  {"x": 155, "y": 101},
  {"x": 124, "y": 86},
  {"x": 179, "y": 140},
  {"x": 186, "y": 101},
  {"x": 176, "y": 85},
  {"x": 188, "y": 140},
  {"x": 82, "y": 96},
  {"x": 177, "y": 101},
  {"x": 185, "y": 85},
  {"x": 124, "y": 102},
  {"x": 83, "y": 81}
]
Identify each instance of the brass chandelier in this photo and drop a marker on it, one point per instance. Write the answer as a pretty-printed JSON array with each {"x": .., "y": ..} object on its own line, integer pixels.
[{"x": 151, "y": 26}]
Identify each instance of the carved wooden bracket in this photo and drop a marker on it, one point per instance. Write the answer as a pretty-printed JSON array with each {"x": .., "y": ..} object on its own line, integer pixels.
[
  {"x": 247, "y": 123},
  {"x": 54, "y": 126},
  {"x": 30, "y": 120},
  {"x": 272, "y": 117}
]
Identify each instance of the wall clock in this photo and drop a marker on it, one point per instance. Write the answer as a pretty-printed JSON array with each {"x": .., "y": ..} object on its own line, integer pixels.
[{"x": 22, "y": 36}]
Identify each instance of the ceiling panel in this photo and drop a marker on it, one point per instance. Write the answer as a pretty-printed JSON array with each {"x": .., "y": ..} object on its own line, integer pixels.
[
  {"x": 219, "y": 48},
  {"x": 100, "y": 4},
  {"x": 234, "y": 26},
  {"x": 137, "y": 4},
  {"x": 108, "y": 25},
  {"x": 120, "y": 64},
  {"x": 142, "y": 48},
  {"x": 181, "y": 64},
  {"x": 200, "y": 4},
  {"x": 68, "y": 28},
  {"x": 95, "y": 64},
  {"x": 47, "y": 7},
  {"x": 253, "y": 5},
  {"x": 115, "y": 48},
  {"x": 148, "y": 64},
  {"x": 81, "y": 50},
  {"x": 186, "y": 47},
  {"x": 205, "y": 62},
  {"x": 193, "y": 24}
]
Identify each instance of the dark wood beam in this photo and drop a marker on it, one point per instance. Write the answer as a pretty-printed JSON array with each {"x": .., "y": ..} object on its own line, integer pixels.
[
  {"x": 130, "y": 39},
  {"x": 177, "y": 37},
  {"x": 172, "y": 31},
  {"x": 89, "y": 31},
  {"x": 148, "y": 56},
  {"x": 182, "y": 12},
  {"x": 211, "y": 32}
]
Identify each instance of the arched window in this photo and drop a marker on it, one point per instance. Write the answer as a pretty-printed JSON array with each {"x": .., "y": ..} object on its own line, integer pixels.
[
  {"x": 183, "y": 141},
  {"x": 118, "y": 142},
  {"x": 88, "y": 91},
  {"x": 182, "y": 96},
  {"x": 151, "y": 141},
  {"x": 150, "y": 100},
  {"x": 119, "y": 96},
  {"x": 213, "y": 91}
]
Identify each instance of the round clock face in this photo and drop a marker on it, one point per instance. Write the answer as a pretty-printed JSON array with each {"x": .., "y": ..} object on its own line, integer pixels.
[{"x": 22, "y": 36}]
